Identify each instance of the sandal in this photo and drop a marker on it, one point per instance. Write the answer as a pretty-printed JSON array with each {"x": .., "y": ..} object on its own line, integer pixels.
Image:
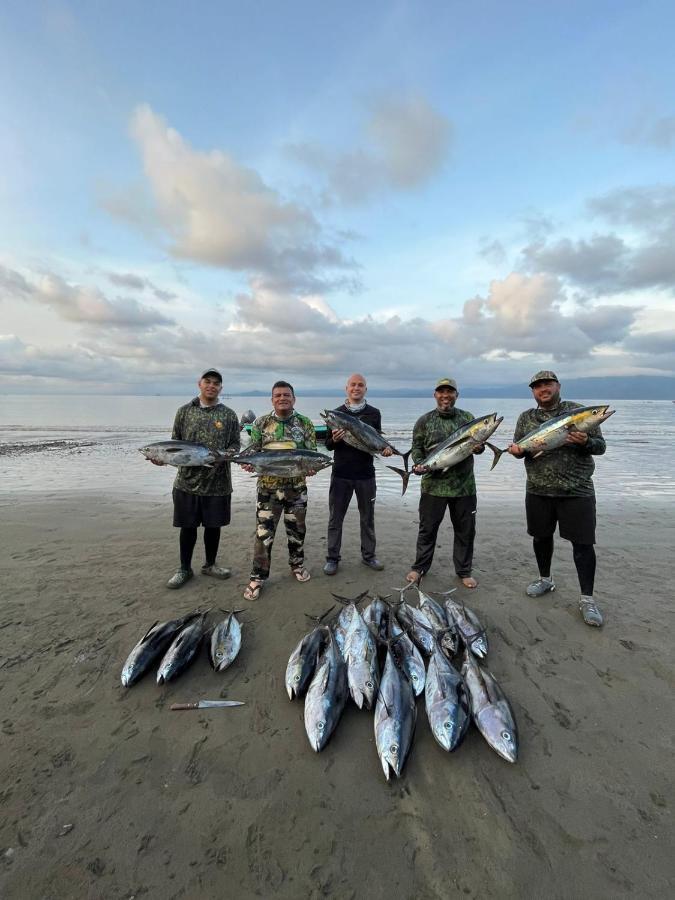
[
  {"x": 301, "y": 573},
  {"x": 252, "y": 590}
]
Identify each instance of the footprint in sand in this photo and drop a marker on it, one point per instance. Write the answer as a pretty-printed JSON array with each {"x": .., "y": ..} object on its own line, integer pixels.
[
  {"x": 551, "y": 628},
  {"x": 523, "y": 629}
]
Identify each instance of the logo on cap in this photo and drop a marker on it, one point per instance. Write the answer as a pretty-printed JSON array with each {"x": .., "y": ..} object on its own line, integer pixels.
[{"x": 446, "y": 382}]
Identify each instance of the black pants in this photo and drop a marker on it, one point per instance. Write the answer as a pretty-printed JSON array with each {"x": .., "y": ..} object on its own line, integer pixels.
[
  {"x": 463, "y": 518},
  {"x": 339, "y": 498}
]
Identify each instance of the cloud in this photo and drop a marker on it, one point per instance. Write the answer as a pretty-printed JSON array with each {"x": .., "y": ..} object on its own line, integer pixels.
[
  {"x": 80, "y": 304},
  {"x": 214, "y": 210},
  {"x": 405, "y": 143},
  {"x": 131, "y": 281},
  {"x": 658, "y": 133}
]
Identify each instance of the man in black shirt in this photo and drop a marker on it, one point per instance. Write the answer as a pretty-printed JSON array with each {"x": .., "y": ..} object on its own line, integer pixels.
[{"x": 353, "y": 473}]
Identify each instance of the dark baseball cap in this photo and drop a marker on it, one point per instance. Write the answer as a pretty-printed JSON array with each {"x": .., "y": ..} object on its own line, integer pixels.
[
  {"x": 446, "y": 382},
  {"x": 543, "y": 375},
  {"x": 213, "y": 372}
]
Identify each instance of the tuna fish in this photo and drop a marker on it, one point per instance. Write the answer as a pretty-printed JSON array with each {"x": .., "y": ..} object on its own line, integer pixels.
[
  {"x": 553, "y": 434},
  {"x": 461, "y": 443},
  {"x": 151, "y": 646},
  {"x": 416, "y": 624},
  {"x": 183, "y": 453},
  {"x": 409, "y": 658},
  {"x": 468, "y": 627},
  {"x": 395, "y": 714},
  {"x": 302, "y": 661},
  {"x": 182, "y": 651},
  {"x": 446, "y": 701},
  {"x": 284, "y": 463},
  {"x": 327, "y": 695},
  {"x": 360, "y": 654},
  {"x": 491, "y": 710},
  {"x": 443, "y": 627},
  {"x": 225, "y": 641}
]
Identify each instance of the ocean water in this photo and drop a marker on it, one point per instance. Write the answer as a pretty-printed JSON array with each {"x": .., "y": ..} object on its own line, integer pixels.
[{"x": 90, "y": 443}]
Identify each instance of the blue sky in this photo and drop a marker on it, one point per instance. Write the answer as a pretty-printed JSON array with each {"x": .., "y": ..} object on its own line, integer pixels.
[{"x": 309, "y": 189}]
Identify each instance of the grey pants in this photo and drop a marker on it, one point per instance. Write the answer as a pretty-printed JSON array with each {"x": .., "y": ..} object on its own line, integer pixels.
[{"x": 339, "y": 498}]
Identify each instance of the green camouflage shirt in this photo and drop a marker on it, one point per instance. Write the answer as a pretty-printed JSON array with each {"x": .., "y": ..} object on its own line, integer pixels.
[
  {"x": 567, "y": 471},
  {"x": 217, "y": 428},
  {"x": 295, "y": 433},
  {"x": 430, "y": 430}
]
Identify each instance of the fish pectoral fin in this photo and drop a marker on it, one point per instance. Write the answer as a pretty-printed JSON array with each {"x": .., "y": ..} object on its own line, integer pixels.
[{"x": 537, "y": 454}]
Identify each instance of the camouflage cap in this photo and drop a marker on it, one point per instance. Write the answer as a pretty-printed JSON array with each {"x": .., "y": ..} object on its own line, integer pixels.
[
  {"x": 446, "y": 382},
  {"x": 544, "y": 375}
]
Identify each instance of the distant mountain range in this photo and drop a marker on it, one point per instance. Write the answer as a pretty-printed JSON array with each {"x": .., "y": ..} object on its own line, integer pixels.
[{"x": 637, "y": 387}]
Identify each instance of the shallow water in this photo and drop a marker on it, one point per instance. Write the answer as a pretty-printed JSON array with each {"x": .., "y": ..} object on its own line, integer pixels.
[{"x": 89, "y": 443}]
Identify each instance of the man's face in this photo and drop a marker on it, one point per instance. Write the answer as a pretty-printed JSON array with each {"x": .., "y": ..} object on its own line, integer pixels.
[
  {"x": 546, "y": 393},
  {"x": 209, "y": 387},
  {"x": 356, "y": 388},
  {"x": 446, "y": 397},
  {"x": 282, "y": 401}
]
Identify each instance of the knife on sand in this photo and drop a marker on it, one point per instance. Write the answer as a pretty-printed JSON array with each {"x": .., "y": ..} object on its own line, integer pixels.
[{"x": 207, "y": 704}]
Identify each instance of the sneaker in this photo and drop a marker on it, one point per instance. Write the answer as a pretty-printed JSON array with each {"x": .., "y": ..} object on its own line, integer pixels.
[
  {"x": 373, "y": 564},
  {"x": 331, "y": 567},
  {"x": 540, "y": 587},
  {"x": 216, "y": 571},
  {"x": 590, "y": 613},
  {"x": 181, "y": 577}
]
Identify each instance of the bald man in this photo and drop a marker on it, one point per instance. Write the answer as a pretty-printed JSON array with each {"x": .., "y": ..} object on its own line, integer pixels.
[{"x": 353, "y": 473}]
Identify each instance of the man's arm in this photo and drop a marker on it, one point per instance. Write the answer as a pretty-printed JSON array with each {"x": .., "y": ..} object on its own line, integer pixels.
[
  {"x": 177, "y": 433},
  {"x": 520, "y": 432},
  {"x": 418, "y": 449}
]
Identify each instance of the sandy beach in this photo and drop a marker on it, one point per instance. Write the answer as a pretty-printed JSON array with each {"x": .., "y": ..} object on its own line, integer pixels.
[{"x": 105, "y": 793}]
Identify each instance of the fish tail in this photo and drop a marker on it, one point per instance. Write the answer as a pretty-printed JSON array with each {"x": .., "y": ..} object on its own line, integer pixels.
[
  {"x": 405, "y": 477},
  {"x": 497, "y": 454}
]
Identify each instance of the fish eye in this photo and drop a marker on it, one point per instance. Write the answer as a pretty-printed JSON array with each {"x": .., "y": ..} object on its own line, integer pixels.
[
  {"x": 594, "y": 411},
  {"x": 369, "y": 684},
  {"x": 296, "y": 678},
  {"x": 320, "y": 726},
  {"x": 446, "y": 725},
  {"x": 394, "y": 749},
  {"x": 506, "y": 735},
  {"x": 219, "y": 654}
]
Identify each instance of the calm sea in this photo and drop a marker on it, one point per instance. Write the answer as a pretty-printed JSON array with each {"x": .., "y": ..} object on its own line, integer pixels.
[{"x": 85, "y": 443}]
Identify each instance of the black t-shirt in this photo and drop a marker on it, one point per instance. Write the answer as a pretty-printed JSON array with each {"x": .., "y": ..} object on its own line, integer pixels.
[{"x": 348, "y": 462}]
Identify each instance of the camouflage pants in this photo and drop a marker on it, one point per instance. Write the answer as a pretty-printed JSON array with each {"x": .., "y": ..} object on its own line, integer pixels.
[{"x": 271, "y": 503}]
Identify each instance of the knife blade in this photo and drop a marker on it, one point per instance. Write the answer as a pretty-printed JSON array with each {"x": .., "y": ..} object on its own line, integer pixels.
[{"x": 207, "y": 704}]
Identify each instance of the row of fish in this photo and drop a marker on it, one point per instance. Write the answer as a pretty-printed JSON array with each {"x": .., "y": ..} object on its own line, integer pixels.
[
  {"x": 450, "y": 452},
  {"x": 340, "y": 657},
  {"x": 175, "y": 644}
]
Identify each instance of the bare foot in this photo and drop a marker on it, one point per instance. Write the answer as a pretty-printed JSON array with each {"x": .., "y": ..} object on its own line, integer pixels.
[
  {"x": 469, "y": 582},
  {"x": 413, "y": 577}
]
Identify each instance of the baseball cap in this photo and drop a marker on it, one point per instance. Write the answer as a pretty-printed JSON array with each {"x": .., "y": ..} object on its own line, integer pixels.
[
  {"x": 544, "y": 375},
  {"x": 446, "y": 382},
  {"x": 212, "y": 372}
]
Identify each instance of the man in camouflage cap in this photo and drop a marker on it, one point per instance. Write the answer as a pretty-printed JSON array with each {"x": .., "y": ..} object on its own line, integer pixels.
[
  {"x": 201, "y": 494},
  {"x": 560, "y": 491},
  {"x": 454, "y": 489}
]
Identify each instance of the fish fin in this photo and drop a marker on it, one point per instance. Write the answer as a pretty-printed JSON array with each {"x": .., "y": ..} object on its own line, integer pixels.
[
  {"x": 538, "y": 454},
  {"x": 497, "y": 454},
  {"x": 346, "y": 600},
  {"x": 148, "y": 631},
  {"x": 405, "y": 477},
  {"x": 405, "y": 457}
]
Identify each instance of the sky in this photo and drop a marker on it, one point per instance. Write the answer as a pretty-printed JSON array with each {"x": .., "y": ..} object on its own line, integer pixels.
[{"x": 300, "y": 190}]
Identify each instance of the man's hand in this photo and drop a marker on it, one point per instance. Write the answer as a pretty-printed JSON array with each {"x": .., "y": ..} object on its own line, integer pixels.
[
  {"x": 515, "y": 450},
  {"x": 478, "y": 448},
  {"x": 577, "y": 437},
  {"x": 310, "y": 473},
  {"x": 338, "y": 434},
  {"x": 420, "y": 470},
  {"x": 387, "y": 451},
  {"x": 156, "y": 462},
  {"x": 248, "y": 468}
]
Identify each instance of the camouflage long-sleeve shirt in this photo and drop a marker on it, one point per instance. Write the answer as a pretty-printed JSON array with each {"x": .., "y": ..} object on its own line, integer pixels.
[
  {"x": 271, "y": 433},
  {"x": 567, "y": 471},
  {"x": 430, "y": 430},
  {"x": 217, "y": 428}
]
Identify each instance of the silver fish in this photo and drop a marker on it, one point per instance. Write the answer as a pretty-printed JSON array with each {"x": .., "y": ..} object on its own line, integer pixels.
[
  {"x": 461, "y": 443},
  {"x": 326, "y": 695},
  {"x": 376, "y": 616},
  {"x": 343, "y": 622},
  {"x": 491, "y": 710},
  {"x": 443, "y": 627},
  {"x": 225, "y": 641},
  {"x": 151, "y": 646},
  {"x": 182, "y": 651},
  {"x": 468, "y": 627},
  {"x": 360, "y": 654},
  {"x": 395, "y": 715},
  {"x": 284, "y": 463},
  {"x": 184, "y": 453},
  {"x": 409, "y": 657},
  {"x": 553, "y": 433},
  {"x": 446, "y": 701},
  {"x": 303, "y": 660},
  {"x": 416, "y": 624}
]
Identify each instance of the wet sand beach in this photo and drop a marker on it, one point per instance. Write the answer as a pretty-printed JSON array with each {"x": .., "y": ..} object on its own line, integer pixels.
[{"x": 105, "y": 793}]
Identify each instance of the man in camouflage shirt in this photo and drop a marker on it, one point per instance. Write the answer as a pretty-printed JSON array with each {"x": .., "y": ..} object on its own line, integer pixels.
[
  {"x": 282, "y": 429},
  {"x": 560, "y": 491},
  {"x": 201, "y": 494},
  {"x": 454, "y": 489}
]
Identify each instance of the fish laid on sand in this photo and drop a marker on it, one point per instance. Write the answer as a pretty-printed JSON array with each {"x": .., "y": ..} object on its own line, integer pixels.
[
  {"x": 303, "y": 660},
  {"x": 183, "y": 453},
  {"x": 395, "y": 715},
  {"x": 553, "y": 433},
  {"x": 468, "y": 627},
  {"x": 490, "y": 709},
  {"x": 444, "y": 629},
  {"x": 360, "y": 654},
  {"x": 151, "y": 646},
  {"x": 461, "y": 444},
  {"x": 446, "y": 701},
  {"x": 182, "y": 651},
  {"x": 326, "y": 695},
  {"x": 284, "y": 463},
  {"x": 225, "y": 641}
]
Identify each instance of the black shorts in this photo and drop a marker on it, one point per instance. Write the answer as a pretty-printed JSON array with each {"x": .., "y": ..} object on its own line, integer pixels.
[
  {"x": 575, "y": 517},
  {"x": 193, "y": 510}
]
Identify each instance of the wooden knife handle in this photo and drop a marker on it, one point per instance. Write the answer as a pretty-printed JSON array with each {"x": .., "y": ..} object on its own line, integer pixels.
[{"x": 175, "y": 706}]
